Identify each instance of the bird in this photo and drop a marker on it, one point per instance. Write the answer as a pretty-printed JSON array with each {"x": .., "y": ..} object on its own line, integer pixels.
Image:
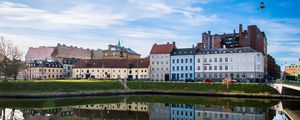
[{"x": 261, "y": 6}]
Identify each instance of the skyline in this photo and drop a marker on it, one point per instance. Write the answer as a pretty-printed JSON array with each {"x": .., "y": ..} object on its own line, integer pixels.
[{"x": 139, "y": 24}]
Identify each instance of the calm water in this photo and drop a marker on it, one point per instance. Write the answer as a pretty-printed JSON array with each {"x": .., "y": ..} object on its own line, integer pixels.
[{"x": 148, "y": 108}]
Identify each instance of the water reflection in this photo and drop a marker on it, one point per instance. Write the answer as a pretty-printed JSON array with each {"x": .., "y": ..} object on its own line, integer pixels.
[{"x": 147, "y": 111}]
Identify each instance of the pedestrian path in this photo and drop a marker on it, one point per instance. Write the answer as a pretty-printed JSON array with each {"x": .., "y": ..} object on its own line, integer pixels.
[{"x": 124, "y": 84}]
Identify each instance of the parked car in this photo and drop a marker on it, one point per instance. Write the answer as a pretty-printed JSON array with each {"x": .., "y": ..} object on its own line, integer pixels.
[
  {"x": 189, "y": 80},
  {"x": 230, "y": 81},
  {"x": 208, "y": 81}
]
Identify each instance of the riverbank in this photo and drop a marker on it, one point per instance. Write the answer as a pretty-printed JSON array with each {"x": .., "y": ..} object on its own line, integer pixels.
[{"x": 74, "y": 88}]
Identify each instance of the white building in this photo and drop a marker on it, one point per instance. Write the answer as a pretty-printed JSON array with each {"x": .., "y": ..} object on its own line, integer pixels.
[
  {"x": 160, "y": 61},
  {"x": 112, "y": 69},
  {"x": 243, "y": 64}
]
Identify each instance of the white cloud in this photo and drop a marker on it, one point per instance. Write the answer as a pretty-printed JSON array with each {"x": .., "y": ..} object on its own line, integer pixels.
[{"x": 83, "y": 15}]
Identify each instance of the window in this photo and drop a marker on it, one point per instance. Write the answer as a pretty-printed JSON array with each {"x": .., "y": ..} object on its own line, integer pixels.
[
  {"x": 215, "y": 75},
  {"x": 191, "y": 67},
  {"x": 220, "y": 68},
  {"x": 181, "y": 75},
  {"x": 220, "y": 59},
  {"x": 198, "y": 67},
  {"x": 177, "y": 60},
  {"x": 191, "y": 60},
  {"x": 161, "y": 62},
  {"x": 186, "y": 67},
  {"x": 173, "y": 60},
  {"x": 177, "y": 68},
  {"x": 181, "y": 60},
  {"x": 167, "y": 62},
  {"x": 173, "y": 68},
  {"x": 186, "y": 75},
  {"x": 186, "y": 60},
  {"x": 215, "y": 60},
  {"x": 157, "y": 63},
  {"x": 210, "y": 67},
  {"x": 226, "y": 59},
  {"x": 191, "y": 75},
  {"x": 205, "y": 68},
  {"x": 198, "y": 60},
  {"x": 205, "y": 59},
  {"x": 215, "y": 67},
  {"x": 226, "y": 67},
  {"x": 181, "y": 67},
  {"x": 210, "y": 60}
]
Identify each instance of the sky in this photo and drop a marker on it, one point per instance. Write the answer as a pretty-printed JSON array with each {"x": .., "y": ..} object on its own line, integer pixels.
[{"x": 139, "y": 24}]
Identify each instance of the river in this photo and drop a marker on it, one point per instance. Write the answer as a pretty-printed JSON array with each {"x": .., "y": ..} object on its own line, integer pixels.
[{"x": 149, "y": 108}]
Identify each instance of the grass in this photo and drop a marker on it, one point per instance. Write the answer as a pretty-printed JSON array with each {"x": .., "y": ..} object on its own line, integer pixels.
[
  {"x": 48, "y": 86},
  {"x": 202, "y": 87}
]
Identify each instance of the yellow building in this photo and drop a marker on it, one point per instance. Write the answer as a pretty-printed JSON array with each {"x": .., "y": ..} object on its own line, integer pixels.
[
  {"x": 137, "y": 107},
  {"x": 112, "y": 69}
]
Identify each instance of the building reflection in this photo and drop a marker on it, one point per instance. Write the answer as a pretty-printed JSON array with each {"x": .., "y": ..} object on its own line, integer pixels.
[{"x": 146, "y": 111}]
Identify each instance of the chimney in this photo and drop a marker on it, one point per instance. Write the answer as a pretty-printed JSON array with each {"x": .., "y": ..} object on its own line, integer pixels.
[
  {"x": 241, "y": 37},
  {"x": 234, "y": 31},
  {"x": 58, "y": 44},
  {"x": 193, "y": 46},
  {"x": 209, "y": 33},
  {"x": 168, "y": 43},
  {"x": 240, "y": 28},
  {"x": 174, "y": 43}
]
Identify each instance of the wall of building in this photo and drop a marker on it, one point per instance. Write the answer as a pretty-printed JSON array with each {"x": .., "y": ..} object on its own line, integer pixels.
[
  {"x": 48, "y": 73},
  {"x": 111, "y": 73},
  {"x": 238, "y": 64},
  {"x": 40, "y": 53},
  {"x": 160, "y": 66},
  {"x": 182, "y": 67}
]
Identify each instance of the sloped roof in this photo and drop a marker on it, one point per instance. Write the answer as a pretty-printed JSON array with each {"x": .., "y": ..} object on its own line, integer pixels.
[
  {"x": 113, "y": 63},
  {"x": 162, "y": 48},
  {"x": 184, "y": 51}
]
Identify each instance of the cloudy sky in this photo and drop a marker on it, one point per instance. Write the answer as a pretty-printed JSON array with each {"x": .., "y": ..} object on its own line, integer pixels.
[{"x": 141, "y": 23}]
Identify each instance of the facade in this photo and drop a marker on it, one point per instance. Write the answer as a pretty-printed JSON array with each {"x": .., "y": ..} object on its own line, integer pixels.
[
  {"x": 292, "y": 70},
  {"x": 182, "y": 64},
  {"x": 62, "y": 51},
  {"x": 252, "y": 37},
  {"x": 44, "y": 69},
  {"x": 68, "y": 64},
  {"x": 40, "y": 53},
  {"x": 137, "y": 107},
  {"x": 182, "y": 112},
  {"x": 239, "y": 63},
  {"x": 203, "y": 112},
  {"x": 159, "y": 111},
  {"x": 160, "y": 61},
  {"x": 112, "y": 69},
  {"x": 116, "y": 52}
]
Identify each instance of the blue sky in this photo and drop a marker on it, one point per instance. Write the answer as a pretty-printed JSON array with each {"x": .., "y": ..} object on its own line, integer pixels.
[{"x": 141, "y": 23}]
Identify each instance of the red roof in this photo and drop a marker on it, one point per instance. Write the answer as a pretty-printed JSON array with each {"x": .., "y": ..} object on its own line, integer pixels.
[{"x": 162, "y": 48}]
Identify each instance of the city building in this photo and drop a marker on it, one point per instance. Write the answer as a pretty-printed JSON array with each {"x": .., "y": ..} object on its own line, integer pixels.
[
  {"x": 242, "y": 64},
  {"x": 212, "y": 112},
  {"x": 62, "y": 51},
  {"x": 44, "y": 69},
  {"x": 116, "y": 52},
  {"x": 182, "y": 64},
  {"x": 252, "y": 37},
  {"x": 273, "y": 69},
  {"x": 182, "y": 112},
  {"x": 159, "y": 111},
  {"x": 292, "y": 71},
  {"x": 40, "y": 53},
  {"x": 137, "y": 107},
  {"x": 160, "y": 61},
  {"x": 68, "y": 64},
  {"x": 112, "y": 69}
]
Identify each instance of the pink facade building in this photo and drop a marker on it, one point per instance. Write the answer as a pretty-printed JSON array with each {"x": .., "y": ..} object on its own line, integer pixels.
[{"x": 40, "y": 53}]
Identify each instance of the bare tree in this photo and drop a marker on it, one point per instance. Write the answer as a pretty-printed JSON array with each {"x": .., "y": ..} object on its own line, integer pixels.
[{"x": 10, "y": 58}]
